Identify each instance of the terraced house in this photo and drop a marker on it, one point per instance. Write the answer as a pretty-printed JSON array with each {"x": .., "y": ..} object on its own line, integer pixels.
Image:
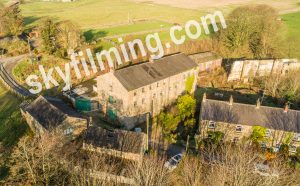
[
  {"x": 127, "y": 95},
  {"x": 239, "y": 121}
]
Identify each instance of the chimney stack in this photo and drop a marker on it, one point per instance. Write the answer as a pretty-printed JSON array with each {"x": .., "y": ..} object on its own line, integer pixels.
[
  {"x": 286, "y": 108},
  {"x": 204, "y": 97},
  {"x": 258, "y": 103},
  {"x": 231, "y": 100}
]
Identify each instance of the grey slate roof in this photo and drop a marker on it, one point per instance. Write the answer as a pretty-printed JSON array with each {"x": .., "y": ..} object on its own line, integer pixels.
[
  {"x": 140, "y": 75},
  {"x": 269, "y": 117},
  {"x": 120, "y": 140},
  {"x": 50, "y": 112}
]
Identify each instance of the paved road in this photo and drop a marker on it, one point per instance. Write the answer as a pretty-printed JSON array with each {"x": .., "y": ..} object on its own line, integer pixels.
[{"x": 6, "y": 67}]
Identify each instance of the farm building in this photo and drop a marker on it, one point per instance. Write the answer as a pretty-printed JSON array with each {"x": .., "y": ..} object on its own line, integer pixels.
[
  {"x": 118, "y": 143},
  {"x": 127, "y": 95},
  {"x": 207, "y": 61},
  {"x": 50, "y": 114},
  {"x": 246, "y": 69}
]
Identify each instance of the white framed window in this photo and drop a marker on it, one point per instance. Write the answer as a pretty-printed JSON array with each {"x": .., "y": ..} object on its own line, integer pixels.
[
  {"x": 211, "y": 125},
  {"x": 263, "y": 145},
  {"x": 239, "y": 128},
  {"x": 293, "y": 149},
  {"x": 68, "y": 131},
  {"x": 268, "y": 133},
  {"x": 296, "y": 137}
]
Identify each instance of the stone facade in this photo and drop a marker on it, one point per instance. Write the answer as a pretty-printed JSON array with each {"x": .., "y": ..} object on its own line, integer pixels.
[
  {"x": 240, "y": 133},
  {"x": 237, "y": 122},
  {"x": 52, "y": 118},
  {"x": 207, "y": 61},
  {"x": 131, "y": 106}
]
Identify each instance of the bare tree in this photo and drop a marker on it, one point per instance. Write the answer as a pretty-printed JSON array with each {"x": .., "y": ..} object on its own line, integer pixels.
[{"x": 150, "y": 172}]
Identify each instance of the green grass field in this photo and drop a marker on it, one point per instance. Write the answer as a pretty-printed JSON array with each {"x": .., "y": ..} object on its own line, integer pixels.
[
  {"x": 12, "y": 126},
  {"x": 292, "y": 21}
]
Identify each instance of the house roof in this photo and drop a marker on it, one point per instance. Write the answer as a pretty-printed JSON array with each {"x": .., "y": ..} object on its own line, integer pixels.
[
  {"x": 244, "y": 114},
  {"x": 204, "y": 57},
  {"x": 140, "y": 75},
  {"x": 50, "y": 112},
  {"x": 120, "y": 140}
]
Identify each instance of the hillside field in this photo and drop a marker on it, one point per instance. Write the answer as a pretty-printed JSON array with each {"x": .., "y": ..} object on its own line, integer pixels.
[{"x": 292, "y": 21}]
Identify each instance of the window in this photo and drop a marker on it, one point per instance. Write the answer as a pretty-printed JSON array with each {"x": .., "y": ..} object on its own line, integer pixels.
[
  {"x": 293, "y": 149},
  {"x": 134, "y": 93},
  {"x": 143, "y": 100},
  {"x": 143, "y": 90},
  {"x": 268, "y": 133},
  {"x": 161, "y": 94},
  {"x": 276, "y": 148},
  {"x": 297, "y": 137},
  {"x": 235, "y": 139},
  {"x": 135, "y": 104},
  {"x": 263, "y": 145},
  {"x": 110, "y": 88},
  {"x": 157, "y": 84},
  {"x": 68, "y": 131},
  {"x": 150, "y": 87},
  {"x": 239, "y": 128},
  {"x": 212, "y": 125}
]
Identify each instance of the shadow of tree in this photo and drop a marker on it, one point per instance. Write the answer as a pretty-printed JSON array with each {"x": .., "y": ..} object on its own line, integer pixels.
[
  {"x": 30, "y": 19},
  {"x": 92, "y": 34}
]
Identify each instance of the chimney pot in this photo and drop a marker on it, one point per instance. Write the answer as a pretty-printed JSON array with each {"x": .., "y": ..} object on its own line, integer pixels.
[
  {"x": 258, "y": 103},
  {"x": 231, "y": 100},
  {"x": 204, "y": 97},
  {"x": 286, "y": 108}
]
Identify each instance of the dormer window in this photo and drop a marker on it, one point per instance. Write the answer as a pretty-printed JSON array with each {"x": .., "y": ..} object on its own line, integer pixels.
[
  {"x": 239, "y": 128},
  {"x": 212, "y": 125}
]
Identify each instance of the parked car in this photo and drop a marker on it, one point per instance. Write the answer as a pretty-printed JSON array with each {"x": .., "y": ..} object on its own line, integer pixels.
[{"x": 172, "y": 163}]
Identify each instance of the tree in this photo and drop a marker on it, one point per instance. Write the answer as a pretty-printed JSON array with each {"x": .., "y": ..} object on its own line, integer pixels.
[
  {"x": 11, "y": 20},
  {"x": 186, "y": 106},
  {"x": 59, "y": 38},
  {"x": 252, "y": 32},
  {"x": 48, "y": 31},
  {"x": 258, "y": 134},
  {"x": 69, "y": 37},
  {"x": 169, "y": 125}
]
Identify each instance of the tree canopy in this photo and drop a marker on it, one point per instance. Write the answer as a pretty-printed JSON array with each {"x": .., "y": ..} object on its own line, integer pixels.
[{"x": 252, "y": 32}]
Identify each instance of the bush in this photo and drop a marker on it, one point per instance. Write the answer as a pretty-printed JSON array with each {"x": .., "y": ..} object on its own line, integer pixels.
[{"x": 13, "y": 47}]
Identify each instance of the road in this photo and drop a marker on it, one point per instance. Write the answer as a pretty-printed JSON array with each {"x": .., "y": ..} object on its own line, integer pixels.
[{"x": 6, "y": 68}]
